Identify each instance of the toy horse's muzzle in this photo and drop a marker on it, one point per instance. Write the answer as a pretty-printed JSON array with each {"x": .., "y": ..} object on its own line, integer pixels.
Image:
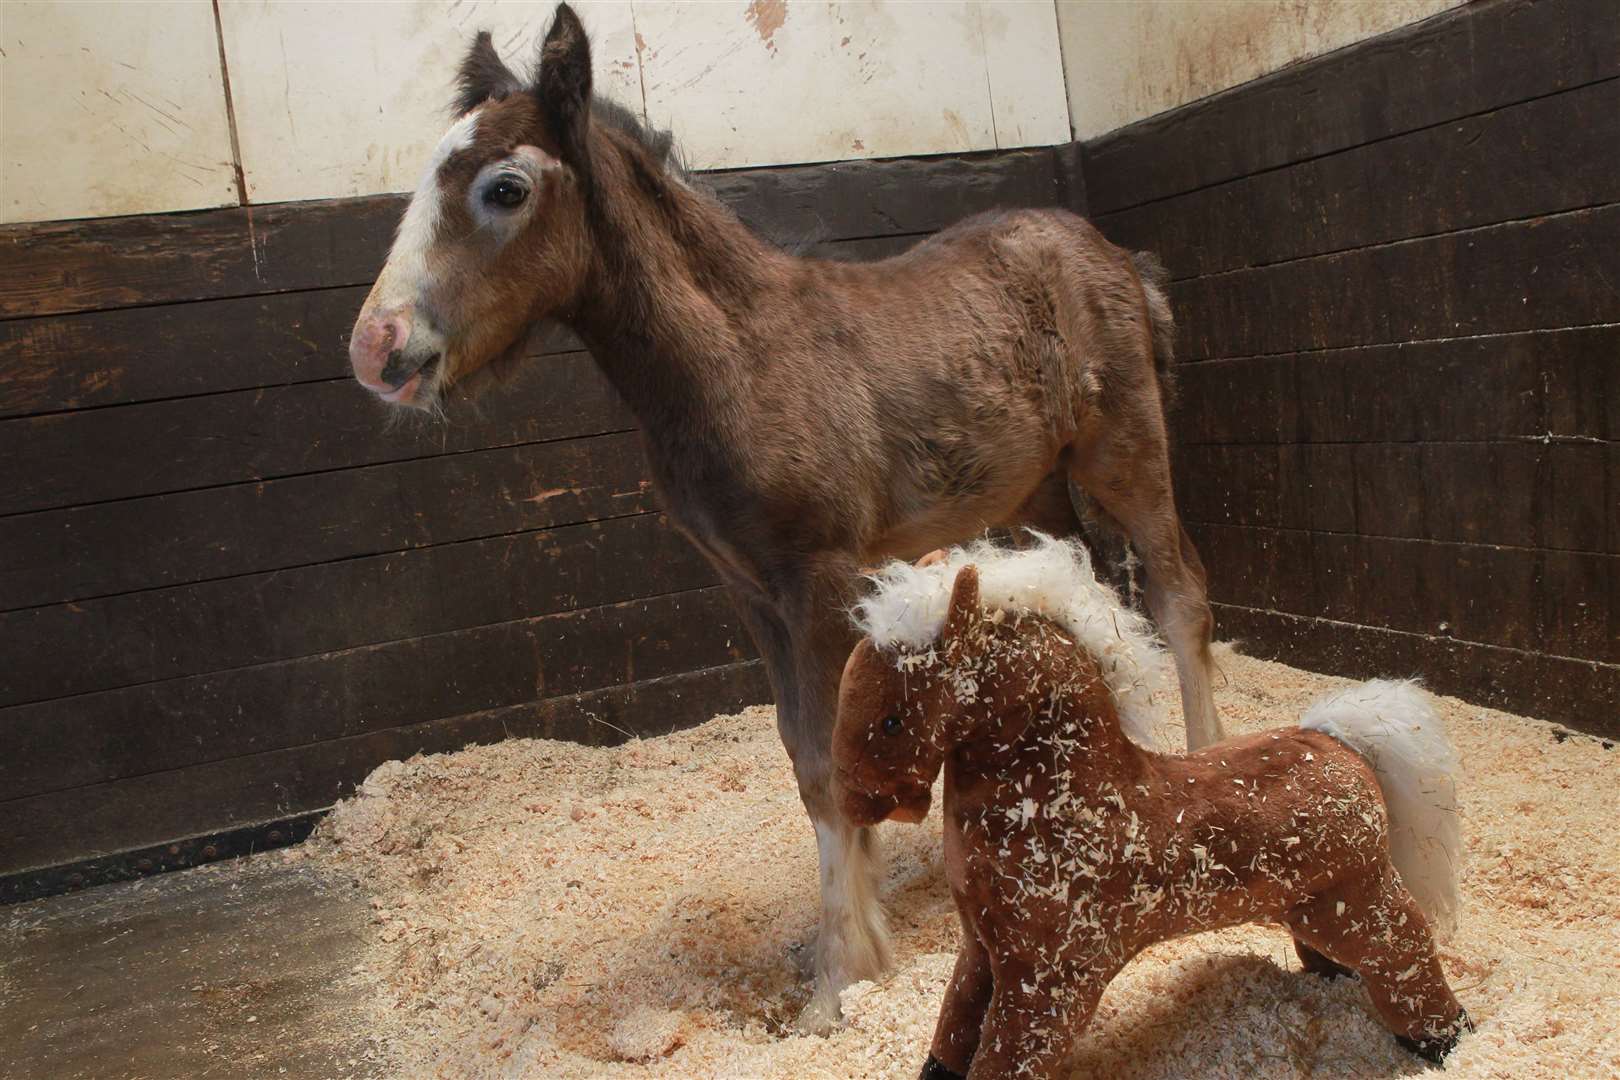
[{"x": 908, "y": 804}]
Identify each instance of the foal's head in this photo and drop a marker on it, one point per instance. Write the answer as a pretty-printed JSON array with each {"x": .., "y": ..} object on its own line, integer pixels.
[
  {"x": 494, "y": 237},
  {"x": 902, "y": 710}
]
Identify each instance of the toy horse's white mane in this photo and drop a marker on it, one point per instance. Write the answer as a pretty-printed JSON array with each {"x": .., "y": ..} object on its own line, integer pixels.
[{"x": 907, "y": 606}]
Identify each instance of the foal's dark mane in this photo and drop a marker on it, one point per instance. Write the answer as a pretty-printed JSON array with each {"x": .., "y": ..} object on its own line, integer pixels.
[{"x": 679, "y": 274}]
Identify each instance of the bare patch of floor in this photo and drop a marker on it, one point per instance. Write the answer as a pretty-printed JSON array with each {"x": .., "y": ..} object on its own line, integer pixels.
[{"x": 240, "y": 969}]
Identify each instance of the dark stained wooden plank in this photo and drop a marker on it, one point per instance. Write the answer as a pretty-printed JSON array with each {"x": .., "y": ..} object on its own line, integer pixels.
[
  {"x": 178, "y": 854},
  {"x": 807, "y": 203},
  {"x": 62, "y": 267},
  {"x": 1492, "y": 595},
  {"x": 112, "y": 357},
  {"x": 68, "y": 555},
  {"x": 160, "y": 808},
  {"x": 125, "y": 355},
  {"x": 65, "y": 459},
  {"x": 1550, "y": 273},
  {"x": 58, "y": 267},
  {"x": 1561, "y": 383},
  {"x": 131, "y": 731},
  {"x": 159, "y": 634},
  {"x": 1472, "y": 59},
  {"x": 1538, "y": 157},
  {"x": 1582, "y": 694},
  {"x": 1525, "y": 494}
]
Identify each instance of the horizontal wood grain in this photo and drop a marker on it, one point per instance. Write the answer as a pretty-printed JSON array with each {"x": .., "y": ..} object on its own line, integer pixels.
[
  {"x": 1560, "y": 384},
  {"x": 1560, "y": 603},
  {"x": 64, "y": 556},
  {"x": 157, "y": 634},
  {"x": 67, "y": 459},
  {"x": 273, "y": 786},
  {"x": 1579, "y": 693},
  {"x": 1473, "y": 59},
  {"x": 61, "y": 267},
  {"x": 1521, "y": 493},
  {"x": 153, "y": 727},
  {"x": 1537, "y": 157},
  {"x": 1559, "y": 271}
]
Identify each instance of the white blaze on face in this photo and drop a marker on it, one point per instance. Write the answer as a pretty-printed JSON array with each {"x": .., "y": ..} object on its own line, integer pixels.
[{"x": 404, "y": 276}]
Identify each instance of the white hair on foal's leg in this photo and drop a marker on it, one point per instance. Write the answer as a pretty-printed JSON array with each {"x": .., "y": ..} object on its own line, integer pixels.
[
  {"x": 854, "y": 942},
  {"x": 1394, "y": 727}
]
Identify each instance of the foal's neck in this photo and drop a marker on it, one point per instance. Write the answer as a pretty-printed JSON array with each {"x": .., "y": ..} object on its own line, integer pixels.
[{"x": 675, "y": 280}]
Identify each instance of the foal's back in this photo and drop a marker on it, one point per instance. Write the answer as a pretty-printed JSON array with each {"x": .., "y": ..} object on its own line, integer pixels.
[{"x": 942, "y": 384}]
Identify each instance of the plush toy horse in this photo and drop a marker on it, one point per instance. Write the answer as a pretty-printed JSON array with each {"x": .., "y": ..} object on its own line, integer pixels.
[{"x": 1069, "y": 847}]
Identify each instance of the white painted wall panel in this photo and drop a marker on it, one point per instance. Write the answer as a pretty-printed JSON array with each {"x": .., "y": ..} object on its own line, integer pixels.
[
  {"x": 1127, "y": 61},
  {"x": 1025, "y": 68},
  {"x": 349, "y": 98},
  {"x": 753, "y": 83},
  {"x": 110, "y": 108}
]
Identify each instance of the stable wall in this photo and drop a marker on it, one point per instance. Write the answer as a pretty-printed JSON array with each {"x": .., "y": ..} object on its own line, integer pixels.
[
  {"x": 1397, "y": 282},
  {"x": 230, "y": 587},
  {"x": 117, "y": 108}
]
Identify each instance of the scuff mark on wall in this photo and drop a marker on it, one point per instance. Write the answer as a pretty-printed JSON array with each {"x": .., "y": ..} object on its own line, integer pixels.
[{"x": 768, "y": 17}]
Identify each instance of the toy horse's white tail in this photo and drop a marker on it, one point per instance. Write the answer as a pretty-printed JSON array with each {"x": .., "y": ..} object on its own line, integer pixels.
[{"x": 1394, "y": 727}]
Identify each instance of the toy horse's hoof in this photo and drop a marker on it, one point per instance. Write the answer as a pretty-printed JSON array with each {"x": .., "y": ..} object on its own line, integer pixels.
[
  {"x": 933, "y": 1070},
  {"x": 1435, "y": 1048},
  {"x": 1317, "y": 964}
]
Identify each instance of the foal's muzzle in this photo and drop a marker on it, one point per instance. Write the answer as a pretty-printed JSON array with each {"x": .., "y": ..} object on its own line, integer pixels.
[{"x": 391, "y": 356}]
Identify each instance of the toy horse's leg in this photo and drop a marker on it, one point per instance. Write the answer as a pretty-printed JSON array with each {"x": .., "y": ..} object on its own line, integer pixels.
[
  {"x": 811, "y": 637},
  {"x": 1125, "y": 467},
  {"x": 1382, "y": 934},
  {"x": 1317, "y": 964},
  {"x": 1033, "y": 1020},
  {"x": 961, "y": 1018}
]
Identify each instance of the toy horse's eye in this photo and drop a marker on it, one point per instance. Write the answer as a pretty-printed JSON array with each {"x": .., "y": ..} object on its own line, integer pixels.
[
  {"x": 506, "y": 192},
  {"x": 891, "y": 725}
]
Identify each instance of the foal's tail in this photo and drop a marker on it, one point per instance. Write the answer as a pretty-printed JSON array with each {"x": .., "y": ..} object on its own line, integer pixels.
[
  {"x": 1394, "y": 727},
  {"x": 1154, "y": 278}
]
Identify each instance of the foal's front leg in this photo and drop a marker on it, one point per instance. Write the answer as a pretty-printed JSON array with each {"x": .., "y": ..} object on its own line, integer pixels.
[{"x": 854, "y": 942}]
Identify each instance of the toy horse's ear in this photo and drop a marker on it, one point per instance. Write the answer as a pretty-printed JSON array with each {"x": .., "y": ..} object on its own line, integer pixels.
[
  {"x": 483, "y": 76},
  {"x": 562, "y": 85},
  {"x": 966, "y": 614}
]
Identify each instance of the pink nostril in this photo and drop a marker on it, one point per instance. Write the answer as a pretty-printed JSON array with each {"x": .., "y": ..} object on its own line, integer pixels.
[{"x": 375, "y": 337}]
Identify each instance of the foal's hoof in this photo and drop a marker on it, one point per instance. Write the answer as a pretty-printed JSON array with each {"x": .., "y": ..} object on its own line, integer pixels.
[
  {"x": 1434, "y": 1048},
  {"x": 933, "y": 1070},
  {"x": 820, "y": 1014}
]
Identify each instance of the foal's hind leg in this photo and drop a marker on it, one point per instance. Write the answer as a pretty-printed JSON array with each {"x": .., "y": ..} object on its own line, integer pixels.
[
  {"x": 1126, "y": 469},
  {"x": 1373, "y": 926}
]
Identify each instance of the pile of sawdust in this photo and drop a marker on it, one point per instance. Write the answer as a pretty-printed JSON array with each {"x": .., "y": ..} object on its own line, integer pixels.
[{"x": 545, "y": 909}]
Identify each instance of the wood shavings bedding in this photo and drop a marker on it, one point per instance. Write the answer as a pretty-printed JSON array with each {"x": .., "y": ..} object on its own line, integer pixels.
[{"x": 546, "y": 909}]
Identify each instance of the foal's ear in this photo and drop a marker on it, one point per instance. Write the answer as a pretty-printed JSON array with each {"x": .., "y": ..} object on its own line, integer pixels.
[
  {"x": 966, "y": 613},
  {"x": 483, "y": 76},
  {"x": 562, "y": 83}
]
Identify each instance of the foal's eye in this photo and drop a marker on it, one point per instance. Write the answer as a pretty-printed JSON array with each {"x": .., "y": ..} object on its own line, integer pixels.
[
  {"x": 506, "y": 192},
  {"x": 891, "y": 725}
]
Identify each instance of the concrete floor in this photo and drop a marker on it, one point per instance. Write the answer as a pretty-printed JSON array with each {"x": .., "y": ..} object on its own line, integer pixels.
[{"x": 237, "y": 969}]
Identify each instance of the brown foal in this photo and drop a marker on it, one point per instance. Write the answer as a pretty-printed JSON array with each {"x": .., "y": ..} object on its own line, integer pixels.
[{"x": 802, "y": 417}]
